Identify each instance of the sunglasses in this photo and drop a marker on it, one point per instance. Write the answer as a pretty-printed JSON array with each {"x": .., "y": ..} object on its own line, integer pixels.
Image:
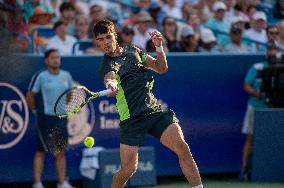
[
  {"x": 237, "y": 32},
  {"x": 274, "y": 33},
  {"x": 170, "y": 23}
]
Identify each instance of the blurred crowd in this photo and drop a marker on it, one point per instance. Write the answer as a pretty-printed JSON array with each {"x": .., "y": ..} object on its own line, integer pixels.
[{"x": 212, "y": 26}]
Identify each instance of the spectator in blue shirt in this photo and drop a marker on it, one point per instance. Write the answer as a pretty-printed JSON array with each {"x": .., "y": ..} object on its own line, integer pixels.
[{"x": 217, "y": 23}]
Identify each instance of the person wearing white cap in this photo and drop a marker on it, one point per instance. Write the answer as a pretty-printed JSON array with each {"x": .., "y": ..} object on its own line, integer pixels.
[
  {"x": 188, "y": 40},
  {"x": 257, "y": 31},
  {"x": 208, "y": 42},
  {"x": 217, "y": 22}
]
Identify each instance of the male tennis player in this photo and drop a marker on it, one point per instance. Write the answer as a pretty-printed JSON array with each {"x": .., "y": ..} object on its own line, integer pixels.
[{"x": 126, "y": 72}]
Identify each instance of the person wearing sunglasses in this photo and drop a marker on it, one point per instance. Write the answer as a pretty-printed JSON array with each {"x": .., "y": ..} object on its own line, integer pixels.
[{"x": 236, "y": 45}]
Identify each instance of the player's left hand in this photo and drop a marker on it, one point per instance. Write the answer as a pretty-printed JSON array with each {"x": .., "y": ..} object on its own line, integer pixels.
[{"x": 157, "y": 38}]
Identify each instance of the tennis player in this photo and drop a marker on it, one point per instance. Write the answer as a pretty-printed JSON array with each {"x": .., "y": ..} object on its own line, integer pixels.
[{"x": 126, "y": 71}]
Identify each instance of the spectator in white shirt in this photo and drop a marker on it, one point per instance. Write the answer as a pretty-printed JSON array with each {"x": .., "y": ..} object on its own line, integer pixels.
[
  {"x": 82, "y": 27},
  {"x": 61, "y": 41},
  {"x": 171, "y": 9},
  {"x": 230, "y": 12},
  {"x": 142, "y": 29},
  {"x": 257, "y": 31}
]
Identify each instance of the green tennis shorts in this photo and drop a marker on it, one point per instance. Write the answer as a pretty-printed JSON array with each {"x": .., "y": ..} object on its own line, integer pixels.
[{"x": 134, "y": 130}]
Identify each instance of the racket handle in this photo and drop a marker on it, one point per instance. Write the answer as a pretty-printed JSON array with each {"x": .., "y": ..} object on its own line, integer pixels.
[{"x": 105, "y": 92}]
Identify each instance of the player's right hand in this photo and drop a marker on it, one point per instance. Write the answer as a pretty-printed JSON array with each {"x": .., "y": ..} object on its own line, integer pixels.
[{"x": 113, "y": 86}]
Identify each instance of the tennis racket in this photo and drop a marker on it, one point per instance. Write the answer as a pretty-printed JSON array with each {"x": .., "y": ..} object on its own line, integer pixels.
[{"x": 74, "y": 99}]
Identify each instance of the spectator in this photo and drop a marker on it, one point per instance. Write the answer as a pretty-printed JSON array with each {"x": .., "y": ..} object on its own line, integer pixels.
[
  {"x": 54, "y": 6},
  {"x": 188, "y": 40},
  {"x": 156, "y": 13},
  {"x": 238, "y": 21},
  {"x": 251, "y": 10},
  {"x": 96, "y": 13},
  {"x": 205, "y": 8},
  {"x": 81, "y": 7},
  {"x": 230, "y": 12},
  {"x": 143, "y": 5},
  {"x": 171, "y": 9},
  {"x": 252, "y": 86},
  {"x": 94, "y": 49},
  {"x": 67, "y": 11},
  {"x": 208, "y": 42},
  {"x": 217, "y": 22},
  {"x": 257, "y": 31},
  {"x": 18, "y": 27},
  {"x": 142, "y": 29},
  {"x": 14, "y": 31},
  {"x": 53, "y": 133},
  {"x": 29, "y": 7},
  {"x": 272, "y": 35},
  {"x": 82, "y": 27},
  {"x": 236, "y": 45},
  {"x": 126, "y": 36},
  {"x": 61, "y": 41},
  {"x": 39, "y": 18},
  {"x": 278, "y": 11},
  {"x": 194, "y": 22},
  {"x": 281, "y": 34},
  {"x": 186, "y": 8},
  {"x": 170, "y": 33}
]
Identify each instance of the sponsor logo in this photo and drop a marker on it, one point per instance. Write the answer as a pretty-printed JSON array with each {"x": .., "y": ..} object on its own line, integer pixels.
[
  {"x": 81, "y": 124},
  {"x": 14, "y": 115}
]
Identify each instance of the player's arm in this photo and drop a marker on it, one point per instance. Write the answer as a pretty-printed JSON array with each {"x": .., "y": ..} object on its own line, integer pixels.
[
  {"x": 111, "y": 82},
  {"x": 30, "y": 97},
  {"x": 158, "y": 64}
]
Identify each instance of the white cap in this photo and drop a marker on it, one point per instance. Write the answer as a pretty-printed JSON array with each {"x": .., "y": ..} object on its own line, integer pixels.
[
  {"x": 259, "y": 15},
  {"x": 207, "y": 35},
  {"x": 237, "y": 19},
  {"x": 186, "y": 31},
  {"x": 219, "y": 5}
]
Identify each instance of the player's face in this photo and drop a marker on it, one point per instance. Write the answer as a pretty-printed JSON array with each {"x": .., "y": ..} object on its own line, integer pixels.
[
  {"x": 53, "y": 60},
  {"x": 107, "y": 42}
]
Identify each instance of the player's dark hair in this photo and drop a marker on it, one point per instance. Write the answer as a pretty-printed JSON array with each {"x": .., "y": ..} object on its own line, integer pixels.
[
  {"x": 102, "y": 27},
  {"x": 48, "y": 52}
]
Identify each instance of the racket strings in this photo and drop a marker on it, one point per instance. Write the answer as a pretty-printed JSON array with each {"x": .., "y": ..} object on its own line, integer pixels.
[{"x": 71, "y": 101}]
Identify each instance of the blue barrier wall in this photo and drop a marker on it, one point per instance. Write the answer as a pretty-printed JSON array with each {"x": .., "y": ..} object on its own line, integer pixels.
[{"x": 205, "y": 92}]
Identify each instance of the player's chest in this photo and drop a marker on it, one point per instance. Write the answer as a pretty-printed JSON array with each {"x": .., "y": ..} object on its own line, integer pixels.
[{"x": 126, "y": 62}]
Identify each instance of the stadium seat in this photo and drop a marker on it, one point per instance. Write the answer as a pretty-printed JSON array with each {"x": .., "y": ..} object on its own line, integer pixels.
[
  {"x": 81, "y": 46},
  {"x": 45, "y": 32}
]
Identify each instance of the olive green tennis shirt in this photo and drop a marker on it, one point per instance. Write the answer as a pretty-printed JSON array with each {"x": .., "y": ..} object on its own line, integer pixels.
[{"x": 135, "y": 83}]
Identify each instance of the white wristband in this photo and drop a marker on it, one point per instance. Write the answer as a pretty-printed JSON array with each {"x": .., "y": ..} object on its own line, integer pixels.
[{"x": 159, "y": 48}]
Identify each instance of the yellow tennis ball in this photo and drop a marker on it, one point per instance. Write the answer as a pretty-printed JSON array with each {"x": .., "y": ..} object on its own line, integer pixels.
[{"x": 89, "y": 142}]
